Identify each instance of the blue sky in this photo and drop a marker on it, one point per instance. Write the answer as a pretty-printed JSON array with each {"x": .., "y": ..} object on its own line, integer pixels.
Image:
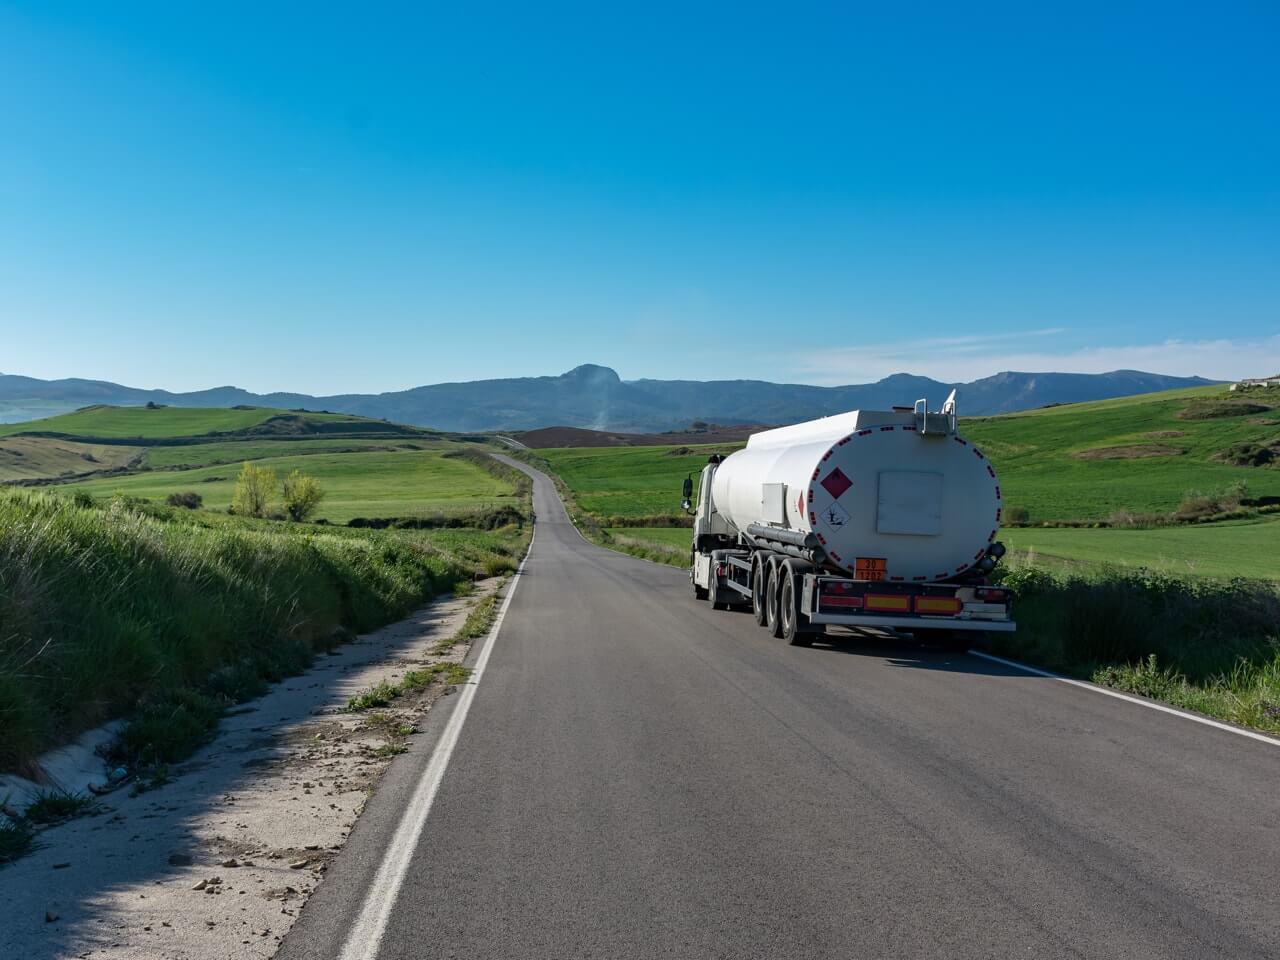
[{"x": 374, "y": 196}]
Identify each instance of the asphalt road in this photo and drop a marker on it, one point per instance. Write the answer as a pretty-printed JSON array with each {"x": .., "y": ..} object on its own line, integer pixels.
[{"x": 641, "y": 776}]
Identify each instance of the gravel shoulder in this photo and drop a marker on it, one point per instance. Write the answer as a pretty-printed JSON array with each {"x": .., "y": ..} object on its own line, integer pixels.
[{"x": 219, "y": 862}]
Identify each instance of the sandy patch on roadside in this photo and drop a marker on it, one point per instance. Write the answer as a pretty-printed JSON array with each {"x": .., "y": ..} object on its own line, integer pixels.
[{"x": 218, "y": 863}]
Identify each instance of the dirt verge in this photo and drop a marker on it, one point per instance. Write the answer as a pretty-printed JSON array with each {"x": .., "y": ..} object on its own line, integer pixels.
[{"x": 218, "y": 862}]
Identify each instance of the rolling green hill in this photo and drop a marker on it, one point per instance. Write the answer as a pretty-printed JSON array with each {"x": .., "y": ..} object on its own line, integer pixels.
[
  {"x": 1087, "y": 461},
  {"x": 176, "y": 423},
  {"x": 34, "y": 458},
  {"x": 404, "y": 483}
]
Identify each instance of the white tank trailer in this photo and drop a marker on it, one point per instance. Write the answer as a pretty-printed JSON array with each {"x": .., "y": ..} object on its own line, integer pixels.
[{"x": 883, "y": 519}]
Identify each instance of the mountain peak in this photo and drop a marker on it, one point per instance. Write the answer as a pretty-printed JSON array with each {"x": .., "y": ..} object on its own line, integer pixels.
[{"x": 592, "y": 373}]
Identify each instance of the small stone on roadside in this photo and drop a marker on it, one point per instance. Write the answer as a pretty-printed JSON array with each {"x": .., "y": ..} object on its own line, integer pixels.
[
  {"x": 298, "y": 864},
  {"x": 231, "y": 862},
  {"x": 200, "y": 884}
]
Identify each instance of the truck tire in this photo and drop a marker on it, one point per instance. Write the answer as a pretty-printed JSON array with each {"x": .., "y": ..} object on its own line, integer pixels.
[
  {"x": 794, "y": 631},
  {"x": 773, "y": 622},
  {"x": 758, "y": 604},
  {"x": 700, "y": 593}
]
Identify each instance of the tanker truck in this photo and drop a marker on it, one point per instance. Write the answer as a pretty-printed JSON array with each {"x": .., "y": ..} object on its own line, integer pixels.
[{"x": 883, "y": 519}]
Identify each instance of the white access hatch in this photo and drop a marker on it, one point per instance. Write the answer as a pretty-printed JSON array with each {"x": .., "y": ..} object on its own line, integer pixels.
[{"x": 910, "y": 503}]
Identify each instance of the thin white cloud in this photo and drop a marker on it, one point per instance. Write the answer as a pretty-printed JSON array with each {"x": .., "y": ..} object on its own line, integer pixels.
[{"x": 963, "y": 359}]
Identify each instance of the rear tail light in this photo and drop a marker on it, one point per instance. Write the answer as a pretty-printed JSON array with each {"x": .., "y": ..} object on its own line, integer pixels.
[{"x": 992, "y": 594}]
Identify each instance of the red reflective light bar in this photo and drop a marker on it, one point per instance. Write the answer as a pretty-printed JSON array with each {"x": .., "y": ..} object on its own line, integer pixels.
[
  {"x": 936, "y": 605},
  {"x": 829, "y": 600}
]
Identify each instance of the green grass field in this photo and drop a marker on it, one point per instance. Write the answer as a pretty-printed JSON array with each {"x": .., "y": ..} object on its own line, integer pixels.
[
  {"x": 405, "y": 483},
  {"x": 237, "y": 451},
  {"x": 1037, "y": 454},
  {"x": 29, "y": 458},
  {"x": 667, "y": 536},
  {"x": 125, "y": 422},
  {"x": 630, "y": 481},
  {"x": 1249, "y": 548}
]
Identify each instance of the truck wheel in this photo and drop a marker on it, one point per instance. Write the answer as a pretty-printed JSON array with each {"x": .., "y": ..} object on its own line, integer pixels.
[
  {"x": 773, "y": 620},
  {"x": 700, "y": 593},
  {"x": 758, "y": 604},
  {"x": 789, "y": 613}
]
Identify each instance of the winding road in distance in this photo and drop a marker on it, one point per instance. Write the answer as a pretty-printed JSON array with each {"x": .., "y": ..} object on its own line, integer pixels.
[{"x": 640, "y": 776}]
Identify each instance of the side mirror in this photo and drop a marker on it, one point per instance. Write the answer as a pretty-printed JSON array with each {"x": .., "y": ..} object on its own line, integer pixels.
[{"x": 687, "y": 490}]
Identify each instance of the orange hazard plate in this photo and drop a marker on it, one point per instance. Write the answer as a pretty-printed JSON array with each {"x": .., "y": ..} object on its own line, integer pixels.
[{"x": 869, "y": 568}]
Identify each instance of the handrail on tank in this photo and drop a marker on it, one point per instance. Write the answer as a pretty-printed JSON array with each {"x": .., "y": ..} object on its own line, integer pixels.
[{"x": 940, "y": 423}]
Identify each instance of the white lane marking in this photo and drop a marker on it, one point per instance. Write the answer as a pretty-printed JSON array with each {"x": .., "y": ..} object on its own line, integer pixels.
[
  {"x": 1149, "y": 704},
  {"x": 365, "y": 939}
]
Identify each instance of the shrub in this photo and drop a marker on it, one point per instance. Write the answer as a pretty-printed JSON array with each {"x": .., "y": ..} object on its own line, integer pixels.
[
  {"x": 1251, "y": 454},
  {"x": 301, "y": 494},
  {"x": 82, "y": 499},
  {"x": 1017, "y": 514},
  {"x": 1196, "y": 505},
  {"x": 255, "y": 489},
  {"x": 187, "y": 500}
]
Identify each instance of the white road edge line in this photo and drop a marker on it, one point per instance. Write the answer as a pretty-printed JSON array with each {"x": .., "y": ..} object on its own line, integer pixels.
[
  {"x": 365, "y": 939},
  {"x": 1149, "y": 704}
]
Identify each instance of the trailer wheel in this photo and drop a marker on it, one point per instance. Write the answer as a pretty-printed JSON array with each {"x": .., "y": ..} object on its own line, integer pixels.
[
  {"x": 758, "y": 601},
  {"x": 773, "y": 620},
  {"x": 789, "y": 613}
]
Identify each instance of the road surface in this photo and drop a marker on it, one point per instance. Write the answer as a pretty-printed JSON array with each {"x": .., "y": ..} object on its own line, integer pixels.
[{"x": 641, "y": 776}]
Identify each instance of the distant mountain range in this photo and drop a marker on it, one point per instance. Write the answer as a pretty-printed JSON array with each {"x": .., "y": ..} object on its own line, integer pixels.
[{"x": 595, "y": 397}]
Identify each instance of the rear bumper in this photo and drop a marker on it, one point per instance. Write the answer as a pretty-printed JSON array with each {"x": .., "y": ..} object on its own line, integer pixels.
[{"x": 912, "y": 623}]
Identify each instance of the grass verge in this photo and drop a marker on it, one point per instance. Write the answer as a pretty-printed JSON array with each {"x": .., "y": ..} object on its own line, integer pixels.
[
  {"x": 382, "y": 693},
  {"x": 1207, "y": 645},
  {"x": 17, "y": 838},
  {"x": 123, "y": 608}
]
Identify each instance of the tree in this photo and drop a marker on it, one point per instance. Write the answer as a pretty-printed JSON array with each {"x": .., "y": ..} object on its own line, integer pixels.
[
  {"x": 255, "y": 489},
  {"x": 302, "y": 494}
]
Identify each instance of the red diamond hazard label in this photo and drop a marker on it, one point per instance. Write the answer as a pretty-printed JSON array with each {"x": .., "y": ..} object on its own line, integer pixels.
[{"x": 836, "y": 483}]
